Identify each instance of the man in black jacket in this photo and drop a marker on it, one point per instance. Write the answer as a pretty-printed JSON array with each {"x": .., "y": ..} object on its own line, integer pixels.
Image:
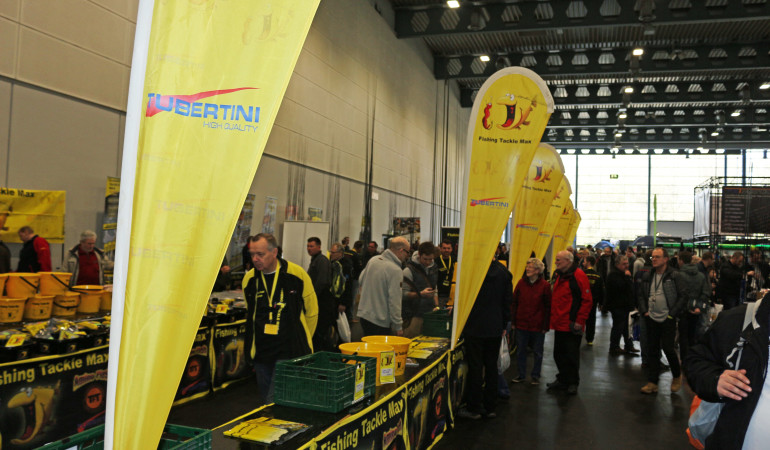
[
  {"x": 730, "y": 277},
  {"x": 713, "y": 375},
  {"x": 620, "y": 302},
  {"x": 484, "y": 329}
]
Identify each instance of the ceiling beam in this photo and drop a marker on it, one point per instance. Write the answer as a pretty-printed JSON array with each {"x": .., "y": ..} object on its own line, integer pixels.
[
  {"x": 592, "y": 62},
  {"x": 663, "y": 117},
  {"x": 745, "y": 138},
  {"x": 546, "y": 16},
  {"x": 727, "y": 92}
]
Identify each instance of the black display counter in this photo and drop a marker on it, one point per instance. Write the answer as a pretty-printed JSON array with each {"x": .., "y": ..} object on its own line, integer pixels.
[{"x": 413, "y": 413}]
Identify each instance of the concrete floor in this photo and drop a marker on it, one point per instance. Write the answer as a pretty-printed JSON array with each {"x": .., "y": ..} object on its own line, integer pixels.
[{"x": 608, "y": 412}]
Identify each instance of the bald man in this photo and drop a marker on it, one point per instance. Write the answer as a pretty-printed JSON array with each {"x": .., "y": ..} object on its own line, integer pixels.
[{"x": 380, "y": 308}]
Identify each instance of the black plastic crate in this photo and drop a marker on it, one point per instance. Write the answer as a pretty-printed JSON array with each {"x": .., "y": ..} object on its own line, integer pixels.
[{"x": 322, "y": 381}]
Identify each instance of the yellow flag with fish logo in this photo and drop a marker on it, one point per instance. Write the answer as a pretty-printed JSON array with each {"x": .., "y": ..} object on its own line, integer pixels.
[
  {"x": 509, "y": 116},
  {"x": 543, "y": 179}
]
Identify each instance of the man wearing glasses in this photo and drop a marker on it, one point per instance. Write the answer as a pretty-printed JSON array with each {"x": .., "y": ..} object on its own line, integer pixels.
[
  {"x": 662, "y": 298},
  {"x": 380, "y": 308}
]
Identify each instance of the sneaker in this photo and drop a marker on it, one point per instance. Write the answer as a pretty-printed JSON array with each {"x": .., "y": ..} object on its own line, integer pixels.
[
  {"x": 676, "y": 384},
  {"x": 535, "y": 381},
  {"x": 572, "y": 389},
  {"x": 467, "y": 414},
  {"x": 518, "y": 380},
  {"x": 591, "y": 343},
  {"x": 556, "y": 385},
  {"x": 616, "y": 352},
  {"x": 649, "y": 388},
  {"x": 631, "y": 350},
  {"x": 491, "y": 415}
]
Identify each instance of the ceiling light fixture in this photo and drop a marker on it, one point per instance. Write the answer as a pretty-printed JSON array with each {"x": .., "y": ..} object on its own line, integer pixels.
[
  {"x": 484, "y": 58},
  {"x": 453, "y": 4},
  {"x": 628, "y": 90},
  {"x": 658, "y": 151},
  {"x": 720, "y": 150},
  {"x": 715, "y": 133},
  {"x": 618, "y": 134},
  {"x": 673, "y": 151},
  {"x": 638, "y": 51},
  {"x": 764, "y": 86},
  {"x": 622, "y": 115},
  {"x": 571, "y": 151},
  {"x": 735, "y": 113}
]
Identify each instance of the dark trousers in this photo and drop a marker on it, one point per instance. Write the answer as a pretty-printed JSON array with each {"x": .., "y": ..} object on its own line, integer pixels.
[
  {"x": 371, "y": 329},
  {"x": 566, "y": 354},
  {"x": 620, "y": 328},
  {"x": 661, "y": 335},
  {"x": 730, "y": 302},
  {"x": 482, "y": 373},
  {"x": 688, "y": 326},
  {"x": 591, "y": 324}
]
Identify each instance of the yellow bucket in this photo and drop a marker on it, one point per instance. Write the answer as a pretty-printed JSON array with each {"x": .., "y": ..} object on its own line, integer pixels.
[
  {"x": 367, "y": 349},
  {"x": 90, "y": 298},
  {"x": 11, "y": 309},
  {"x": 54, "y": 283},
  {"x": 38, "y": 307},
  {"x": 22, "y": 285},
  {"x": 3, "y": 279},
  {"x": 66, "y": 305},
  {"x": 400, "y": 346},
  {"x": 106, "y": 303}
]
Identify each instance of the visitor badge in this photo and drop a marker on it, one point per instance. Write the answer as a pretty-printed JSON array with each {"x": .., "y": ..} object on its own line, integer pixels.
[
  {"x": 271, "y": 328},
  {"x": 387, "y": 367},
  {"x": 358, "y": 390},
  {"x": 222, "y": 309},
  {"x": 15, "y": 340}
]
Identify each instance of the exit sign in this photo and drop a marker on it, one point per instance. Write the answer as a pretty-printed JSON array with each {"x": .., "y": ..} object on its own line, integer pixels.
[{"x": 613, "y": 176}]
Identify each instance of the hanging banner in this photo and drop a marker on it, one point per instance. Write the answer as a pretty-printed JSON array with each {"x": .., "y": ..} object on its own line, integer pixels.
[
  {"x": 49, "y": 398},
  {"x": 543, "y": 180},
  {"x": 207, "y": 81},
  {"x": 545, "y": 234},
  {"x": 43, "y": 211},
  {"x": 507, "y": 122},
  {"x": 562, "y": 228},
  {"x": 574, "y": 224},
  {"x": 110, "y": 219}
]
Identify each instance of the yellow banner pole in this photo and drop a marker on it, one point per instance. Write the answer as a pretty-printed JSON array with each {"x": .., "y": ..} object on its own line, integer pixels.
[
  {"x": 201, "y": 113},
  {"x": 507, "y": 121},
  {"x": 543, "y": 180},
  {"x": 545, "y": 235}
]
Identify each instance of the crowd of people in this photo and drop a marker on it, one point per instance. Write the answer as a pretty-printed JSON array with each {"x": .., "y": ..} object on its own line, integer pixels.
[{"x": 671, "y": 298}]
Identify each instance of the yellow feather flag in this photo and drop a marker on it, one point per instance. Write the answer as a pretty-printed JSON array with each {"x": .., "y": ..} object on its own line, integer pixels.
[
  {"x": 573, "y": 227},
  {"x": 507, "y": 122},
  {"x": 562, "y": 228},
  {"x": 545, "y": 235},
  {"x": 207, "y": 80},
  {"x": 544, "y": 177}
]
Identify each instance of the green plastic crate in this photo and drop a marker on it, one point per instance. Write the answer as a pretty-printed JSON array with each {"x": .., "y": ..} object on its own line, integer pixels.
[
  {"x": 175, "y": 437},
  {"x": 322, "y": 381},
  {"x": 437, "y": 324}
]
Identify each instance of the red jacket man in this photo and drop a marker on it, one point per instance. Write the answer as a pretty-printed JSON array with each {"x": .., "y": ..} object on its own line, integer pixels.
[
  {"x": 570, "y": 304},
  {"x": 35, "y": 255}
]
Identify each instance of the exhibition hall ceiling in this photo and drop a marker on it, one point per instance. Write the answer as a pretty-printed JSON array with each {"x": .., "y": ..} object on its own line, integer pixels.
[{"x": 702, "y": 82}]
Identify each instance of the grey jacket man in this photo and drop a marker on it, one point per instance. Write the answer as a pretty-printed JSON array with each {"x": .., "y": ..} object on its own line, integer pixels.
[{"x": 381, "y": 291}]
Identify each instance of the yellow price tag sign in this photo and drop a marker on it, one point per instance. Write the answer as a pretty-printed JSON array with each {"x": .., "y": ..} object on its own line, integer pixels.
[
  {"x": 387, "y": 367},
  {"x": 222, "y": 308},
  {"x": 360, "y": 383},
  {"x": 15, "y": 340}
]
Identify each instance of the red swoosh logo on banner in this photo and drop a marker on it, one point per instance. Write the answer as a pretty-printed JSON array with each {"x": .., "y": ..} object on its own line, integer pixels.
[
  {"x": 152, "y": 109},
  {"x": 476, "y": 202}
]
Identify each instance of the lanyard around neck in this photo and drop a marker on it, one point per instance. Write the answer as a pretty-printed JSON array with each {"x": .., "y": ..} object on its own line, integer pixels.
[
  {"x": 275, "y": 283},
  {"x": 444, "y": 264}
]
